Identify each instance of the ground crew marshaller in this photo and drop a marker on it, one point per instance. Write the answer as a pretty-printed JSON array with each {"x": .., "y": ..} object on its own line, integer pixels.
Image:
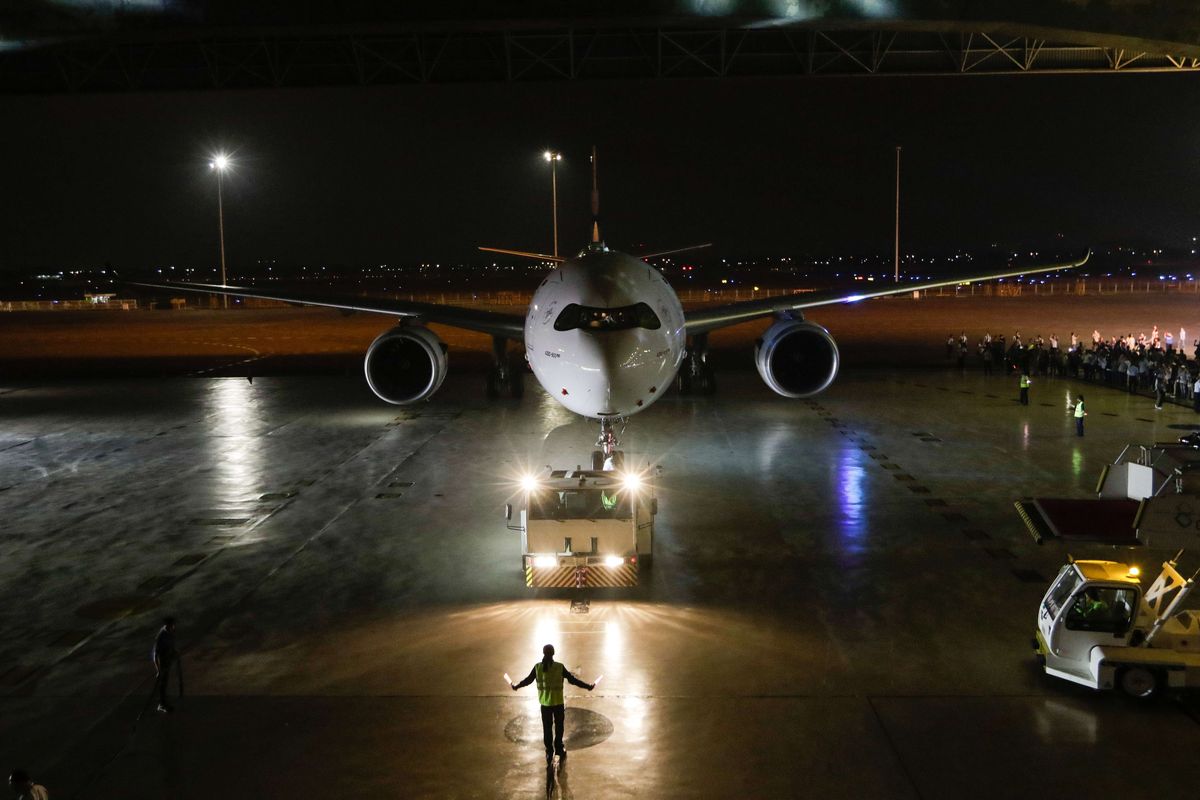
[
  {"x": 549, "y": 675},
  {"x": 1025, "y": 387},
  {"x": 1079, "y": 415}
]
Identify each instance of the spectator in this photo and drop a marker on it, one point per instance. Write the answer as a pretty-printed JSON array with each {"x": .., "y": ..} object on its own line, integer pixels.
[{"x": 24, "y": 788}]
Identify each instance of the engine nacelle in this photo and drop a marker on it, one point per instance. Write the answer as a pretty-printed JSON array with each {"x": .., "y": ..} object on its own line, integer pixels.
[
  {"x": 796, "y": 358},
  {"x": 406, "y": 364}
]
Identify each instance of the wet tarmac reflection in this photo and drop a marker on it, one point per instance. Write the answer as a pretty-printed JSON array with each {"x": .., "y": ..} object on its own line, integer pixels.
[
  {"x": 235, "y": 419},
  {"x": 558, "y": 786}
]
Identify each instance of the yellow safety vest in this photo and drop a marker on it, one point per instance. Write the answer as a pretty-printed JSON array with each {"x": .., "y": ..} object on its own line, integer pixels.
[
  {"x": 549, "y": 683},
  {"x": 1079, "y": 410},
  {"x": 1024, "y": 382}
]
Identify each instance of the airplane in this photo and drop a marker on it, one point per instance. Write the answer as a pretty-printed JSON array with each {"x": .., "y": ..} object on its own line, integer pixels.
[{"x": 605, "y": 335}]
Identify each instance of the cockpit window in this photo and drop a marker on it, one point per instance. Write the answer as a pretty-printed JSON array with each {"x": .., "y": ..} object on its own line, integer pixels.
[
  {"x": 580, "y": 504},
  {"x": 607, "y": 319}
]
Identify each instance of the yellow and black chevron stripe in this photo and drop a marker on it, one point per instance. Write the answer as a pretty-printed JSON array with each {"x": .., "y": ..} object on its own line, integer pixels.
[{"x": 580, "y": 577}]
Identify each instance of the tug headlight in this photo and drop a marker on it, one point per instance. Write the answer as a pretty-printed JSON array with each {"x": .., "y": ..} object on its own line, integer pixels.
[
  {"x": 529, "y": 482},
  {"x": 631, "y": 481},
  {"x": 543, "y": 562},
  {"x": 613, "y": 561}
]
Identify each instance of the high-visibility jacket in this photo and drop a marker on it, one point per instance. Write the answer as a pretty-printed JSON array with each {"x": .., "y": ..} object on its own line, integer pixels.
[
  {"x": 1079, "y": 410},
  {"x": 549, "y": 683},
  {"x": 1024, "y": 381}
]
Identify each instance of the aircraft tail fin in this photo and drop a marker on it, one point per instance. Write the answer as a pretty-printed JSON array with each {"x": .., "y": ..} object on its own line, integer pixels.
[{"x": 596, "y": 241}]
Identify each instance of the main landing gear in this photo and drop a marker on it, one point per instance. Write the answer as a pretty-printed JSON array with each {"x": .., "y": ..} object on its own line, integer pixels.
[
  {"x": 507, "y": 373},
  {"x": 607, "y": 444},
  {"x": 695, "y": 376}
]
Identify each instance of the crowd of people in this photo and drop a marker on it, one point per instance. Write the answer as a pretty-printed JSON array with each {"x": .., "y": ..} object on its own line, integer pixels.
[{"x": 1158, "y": 362}]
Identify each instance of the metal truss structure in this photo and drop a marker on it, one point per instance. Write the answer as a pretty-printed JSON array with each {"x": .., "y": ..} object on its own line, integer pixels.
[{"x": 290, "y": 59}]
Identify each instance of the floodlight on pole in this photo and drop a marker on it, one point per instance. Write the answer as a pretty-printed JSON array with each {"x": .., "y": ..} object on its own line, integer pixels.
[
  {"x": 219, "y": 164},
  {"x": 554, "y": 157},
  {"x": 896, "y": 241}
]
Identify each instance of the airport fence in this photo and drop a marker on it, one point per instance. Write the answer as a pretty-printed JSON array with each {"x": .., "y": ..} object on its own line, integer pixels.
[
  {"x": 67, "y": 305},
  {"x": 689, "y": 297},
  {"x": 694, "y": 297},
  {"x": 1083, "y": 286}
]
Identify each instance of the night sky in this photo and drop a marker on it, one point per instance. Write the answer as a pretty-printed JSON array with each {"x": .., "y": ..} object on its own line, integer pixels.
[{"x": 400, "y": 174}]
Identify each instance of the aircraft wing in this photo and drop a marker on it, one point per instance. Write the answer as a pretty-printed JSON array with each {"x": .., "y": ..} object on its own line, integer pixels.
[
  {"x": 703, "y": 320},
  {"x": 472, "y": 319}
]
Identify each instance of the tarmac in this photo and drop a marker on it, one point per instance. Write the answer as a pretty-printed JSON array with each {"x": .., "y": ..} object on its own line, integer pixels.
[{"x": 840, "y": 605}]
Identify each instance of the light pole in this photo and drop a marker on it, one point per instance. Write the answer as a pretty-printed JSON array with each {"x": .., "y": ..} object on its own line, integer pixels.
[
  {"x": 553, "y": 156},
  {"x": 219, "y": 164},
  {"x": 897, "y": 245}
]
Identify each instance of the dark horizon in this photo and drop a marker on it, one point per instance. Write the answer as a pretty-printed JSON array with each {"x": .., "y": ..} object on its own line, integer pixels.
[{"x": 426, "y": 173}]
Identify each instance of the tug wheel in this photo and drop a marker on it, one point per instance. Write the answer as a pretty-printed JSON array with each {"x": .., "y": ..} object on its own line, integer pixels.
[{"x": 1138, "y": 682}]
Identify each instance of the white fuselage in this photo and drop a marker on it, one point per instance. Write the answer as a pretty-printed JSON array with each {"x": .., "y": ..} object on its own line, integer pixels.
[{"x": 607, "y": 357}]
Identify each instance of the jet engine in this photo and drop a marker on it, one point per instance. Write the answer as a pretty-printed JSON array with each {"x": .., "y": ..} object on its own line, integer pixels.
[
  {"x": 406, "y": 364},
  {"x": 796, "y": 358}
]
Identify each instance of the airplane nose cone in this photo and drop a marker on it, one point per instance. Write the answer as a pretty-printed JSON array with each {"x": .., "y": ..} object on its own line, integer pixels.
[
  {"x": 600, "y": 384},
  {"x": 621, "y": 382},
  {"x": 614, "y": 373}
]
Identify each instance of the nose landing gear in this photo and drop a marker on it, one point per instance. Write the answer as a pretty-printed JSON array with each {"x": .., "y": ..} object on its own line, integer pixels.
[
  {"x": 507, "y": 373},
  {"x": 695, "y": 376},
  {"x": 607, "y": 456}
]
